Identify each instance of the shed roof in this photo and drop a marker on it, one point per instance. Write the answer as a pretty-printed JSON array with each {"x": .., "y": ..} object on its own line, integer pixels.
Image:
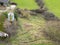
[{"x": 4, "y": 0}]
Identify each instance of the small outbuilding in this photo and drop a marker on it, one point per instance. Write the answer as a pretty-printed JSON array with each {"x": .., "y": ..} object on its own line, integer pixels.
[{"x": 4, "y": 2}]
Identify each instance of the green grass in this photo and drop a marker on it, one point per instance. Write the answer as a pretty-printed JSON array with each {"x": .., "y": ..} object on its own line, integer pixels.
[
  {"x": 44, "y": 44},
  {"x": 2, "y": 18},
  {"x": 53, "y": 6},
  {"x": 29, "y": 4},
  {"x": 27, "y": 34},
  {"x": 23, "y": 33}
]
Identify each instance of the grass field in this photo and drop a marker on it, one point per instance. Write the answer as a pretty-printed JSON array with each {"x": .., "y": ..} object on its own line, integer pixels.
[
  {"x": 30, "y": 30},
  {"x": 53, "y": 6},
  {"x": 29, "y": 4}
]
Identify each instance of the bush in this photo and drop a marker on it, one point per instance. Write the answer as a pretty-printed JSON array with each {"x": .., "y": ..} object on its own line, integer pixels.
[{"x": 15, "y": 14}]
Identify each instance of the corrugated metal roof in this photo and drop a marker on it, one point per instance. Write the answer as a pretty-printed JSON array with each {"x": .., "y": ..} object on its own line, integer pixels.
[{"x": 4, "y": 0}]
